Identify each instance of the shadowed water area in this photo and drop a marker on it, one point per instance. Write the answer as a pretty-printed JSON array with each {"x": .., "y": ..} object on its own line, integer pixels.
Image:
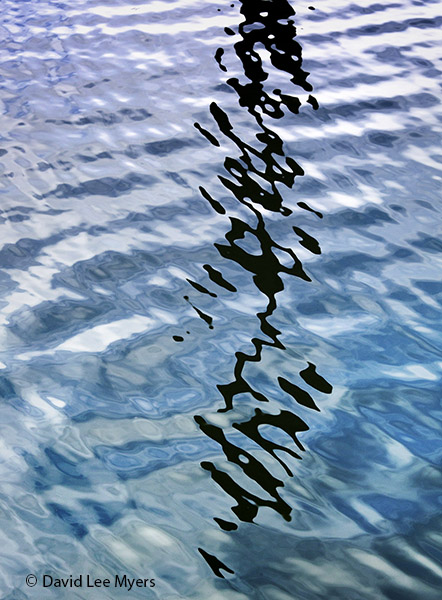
[{"x": 221, "y": 255}]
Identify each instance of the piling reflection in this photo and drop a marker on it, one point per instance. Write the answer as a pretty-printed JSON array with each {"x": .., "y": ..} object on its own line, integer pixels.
[{"x": 267, "y": 29}]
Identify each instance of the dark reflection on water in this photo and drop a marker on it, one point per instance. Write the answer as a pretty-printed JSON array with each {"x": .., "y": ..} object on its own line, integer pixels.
[
  {"x": 102, "y": 226},
  {"x": 269, "y": 26}
]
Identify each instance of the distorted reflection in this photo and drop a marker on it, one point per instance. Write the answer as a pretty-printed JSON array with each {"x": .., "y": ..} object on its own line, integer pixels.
[{"x": 267, "y": 29}]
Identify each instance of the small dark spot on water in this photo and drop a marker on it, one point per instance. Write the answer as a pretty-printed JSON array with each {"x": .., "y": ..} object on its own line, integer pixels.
[
  {"x": 214, "y": 563},
  {"x": 188, "y": 332},
  {"x": 212, "y": 139},
  {"x": 426, "y": 205},
  {"x": 18, "y": 218},
  {"x": 204, "y": 317},
  {"x": 301, "y": 396},
  {"x": 307, "y": 207},
  {"x": 178, "y": 338},
  {"x": 310, "y": 376},
  {"x": 312, "y": 100},
  {"x": 219, "y": 208},
  {"x": 229, "y": 31},
  {"x": 382, "y": 139},
  {"x": 208, "y": 319},
  {"x": 226, "y": 525},
  {"x": 307, "y": 241},
  {"x": 292, "y": 102},
  {"x": 398, "y": 208},
  {"x": 218, "y": 55},
  {"x": 217, "y": 278},
  {"x": 311, "y": 8},
  {"x": 201, "y": 288}
]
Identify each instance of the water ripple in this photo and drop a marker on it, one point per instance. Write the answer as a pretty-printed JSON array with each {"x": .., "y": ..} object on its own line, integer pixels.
[{"x": 195, "y": 248}]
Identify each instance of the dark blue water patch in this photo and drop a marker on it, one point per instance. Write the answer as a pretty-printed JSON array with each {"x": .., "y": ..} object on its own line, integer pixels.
[
  {"x": 54, "y": 469},
  {"x": 138, "y": 459},
  {"x": 18, "y": 218},
  {"x": 382, "y": 28},
  {"x": 110, "y": 269},
  {"x": 344, "y": 262},
  {"x": 342, "y": 440},
  {"x": 404, "y": 423},
  {"x": 404, "y": 512},
  {"x": 382, "y": 139},
  {"x": 64, "y": 522},
  {"x": 433, "y": 288},
  {"x": 406, "y": 565},
  {"x": 105, "y": 186},
  {"x": 46, "y": 321},
  {"x": 165, "y": 147},
  {"x": 371, "y": 9},
  {"x": 357, "y": 109},
  {"x": 10, "y": 395},
  {"x": 106, "y": 119},
  {"x": 427, "y": 243},
  {"x": 105, "y": 513},
  {"x": 348, "y": 82},
  {"x": 429, "y": 313},
  {"x": 84, "y": 158},
  {"x": 354, "y": 219},
  {"x": 22, "y": 254},
  {"x": 346, "y": 509},
  {"x": 76, "y": 528},
  {"x": 429, "y": 547},
  {"x": 103, "y": 395},
  {"x": 64, "y": 465}
]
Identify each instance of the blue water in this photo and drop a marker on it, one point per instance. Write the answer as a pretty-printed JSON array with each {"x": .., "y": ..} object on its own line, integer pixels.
[{"x": 164, "y": 286}]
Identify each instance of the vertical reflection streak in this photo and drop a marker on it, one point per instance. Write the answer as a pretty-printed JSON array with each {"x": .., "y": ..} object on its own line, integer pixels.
[{"x": 266, "y": 26}]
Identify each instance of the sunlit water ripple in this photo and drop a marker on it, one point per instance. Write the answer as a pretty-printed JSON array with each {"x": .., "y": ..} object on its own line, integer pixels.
[{"x": 181, "y": 320}]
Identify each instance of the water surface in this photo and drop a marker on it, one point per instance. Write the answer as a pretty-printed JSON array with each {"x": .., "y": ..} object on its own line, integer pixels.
[{"x": 221, "y": 253}]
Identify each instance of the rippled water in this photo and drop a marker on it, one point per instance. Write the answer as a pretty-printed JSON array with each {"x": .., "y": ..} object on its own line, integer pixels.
[{"x": 220, "y": 253}]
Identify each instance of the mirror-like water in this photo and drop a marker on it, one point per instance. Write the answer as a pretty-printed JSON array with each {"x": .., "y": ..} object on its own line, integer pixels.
[{"x": 220, "y": 255}]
